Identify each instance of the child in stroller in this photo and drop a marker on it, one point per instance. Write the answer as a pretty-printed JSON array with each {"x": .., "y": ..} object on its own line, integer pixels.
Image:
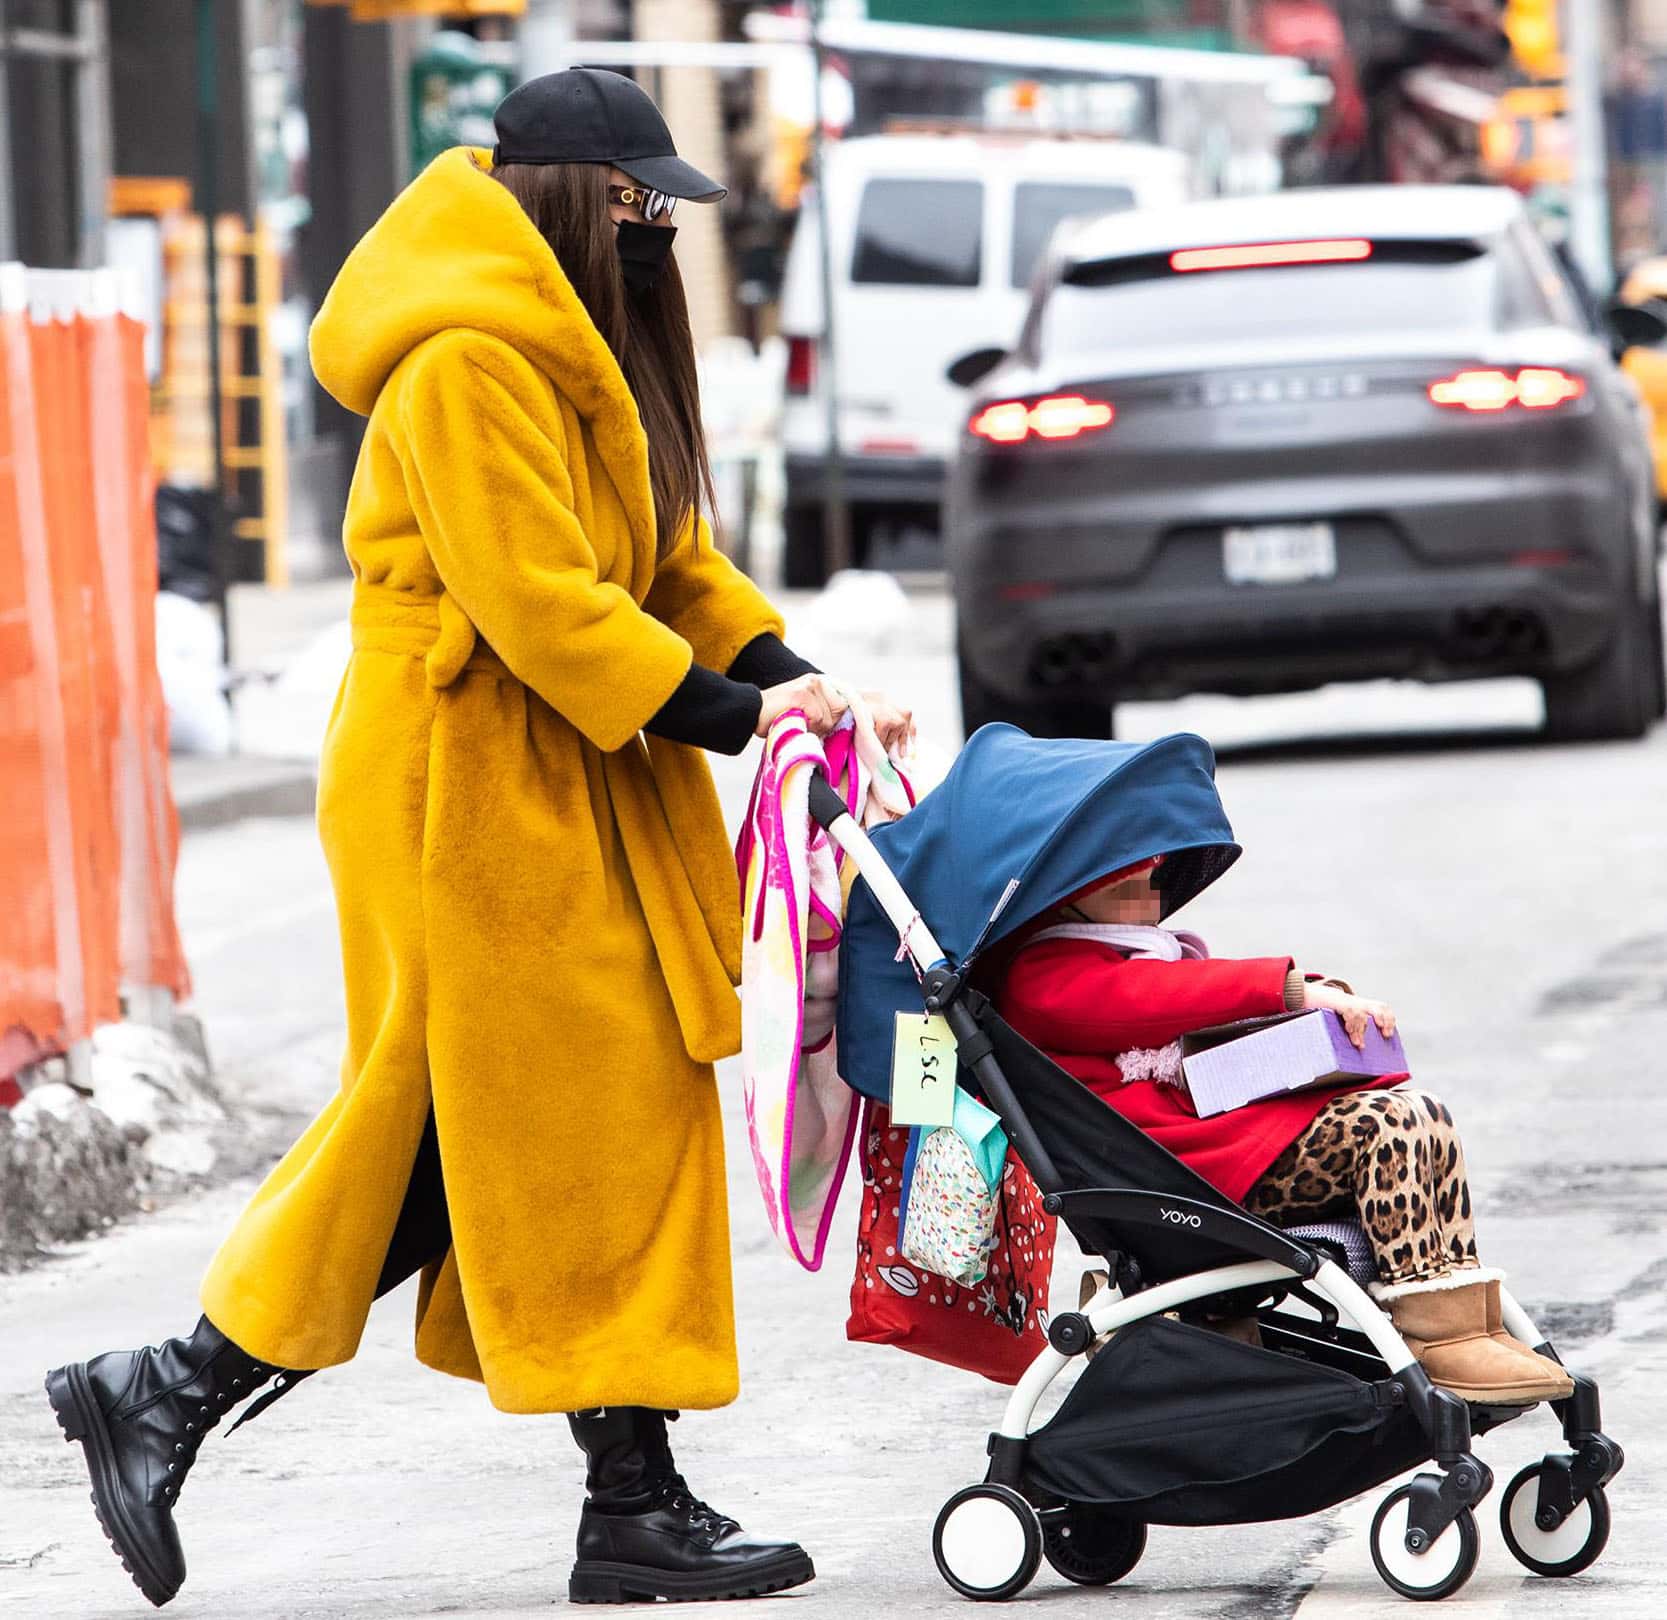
[
  {"x": 1107, "y": 994},
  {"x": 1172, "y": 1422}
]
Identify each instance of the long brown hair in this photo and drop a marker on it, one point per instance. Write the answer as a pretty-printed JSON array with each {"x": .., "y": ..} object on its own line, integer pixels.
[{"x": 648, "y": 331}]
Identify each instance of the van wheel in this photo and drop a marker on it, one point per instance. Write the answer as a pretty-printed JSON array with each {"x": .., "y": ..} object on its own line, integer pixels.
[
  {"x": 804, "y": 555},
  {"x": 1041, "y": 717},
  {"x": 1617, "y": 695}
]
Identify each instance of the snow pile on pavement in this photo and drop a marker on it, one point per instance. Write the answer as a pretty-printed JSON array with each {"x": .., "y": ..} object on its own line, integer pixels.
[
  {"x": 283, "y": 714},
  {"x": 189, "y": 659},
  {"x": 158, "y": 1092},
  {"x": 858, "y": 609},
  {"x": 278, "y": 712},
  {"x": 75, "y": 1157},
  {"x": 66, "y": 1171}
]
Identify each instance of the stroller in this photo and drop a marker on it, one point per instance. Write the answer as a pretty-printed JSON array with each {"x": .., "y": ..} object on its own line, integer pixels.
[{"x": 1169, "y": 1422}]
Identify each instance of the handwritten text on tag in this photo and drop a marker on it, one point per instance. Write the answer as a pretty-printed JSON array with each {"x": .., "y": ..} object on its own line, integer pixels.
[{"x": 922, "y": 1071}]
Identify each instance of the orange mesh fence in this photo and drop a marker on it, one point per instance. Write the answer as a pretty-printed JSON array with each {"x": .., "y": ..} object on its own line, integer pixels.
[
  {"x": 37, "y": 1006},
  {"x": 146, "y": 826},
  {"x": 88, "y": 834},
  {"x": 84, "y": 666}
]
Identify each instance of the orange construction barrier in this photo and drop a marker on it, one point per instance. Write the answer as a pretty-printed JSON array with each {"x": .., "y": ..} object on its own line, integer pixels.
[{"x": 88, "y": 833}]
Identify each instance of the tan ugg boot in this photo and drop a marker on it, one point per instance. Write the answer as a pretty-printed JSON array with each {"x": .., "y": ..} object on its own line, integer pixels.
[
  {"x": 1543, "y": 1365},
  {"x": 1092, "y": 1282},
  {"x": 1444, "y": 1321},
  {"x": 1246, "y": 1329}
]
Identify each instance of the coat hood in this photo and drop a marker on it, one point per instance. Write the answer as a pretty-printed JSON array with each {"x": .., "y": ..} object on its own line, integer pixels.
[{"x": 454, "y": 250}]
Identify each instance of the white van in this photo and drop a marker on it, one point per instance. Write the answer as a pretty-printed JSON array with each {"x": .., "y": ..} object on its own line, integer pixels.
[{"x": 934, "y": 241}]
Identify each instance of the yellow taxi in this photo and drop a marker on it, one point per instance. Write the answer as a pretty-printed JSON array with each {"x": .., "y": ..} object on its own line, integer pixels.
[{"x": 1647, "y": 366}]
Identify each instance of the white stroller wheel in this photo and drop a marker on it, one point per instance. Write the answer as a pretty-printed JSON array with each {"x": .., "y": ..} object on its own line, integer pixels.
[
  {"x": 1565, "y": 1549},
  {"x": 987, "y": 1542},
  {"x": 1437, "y": 1572}
]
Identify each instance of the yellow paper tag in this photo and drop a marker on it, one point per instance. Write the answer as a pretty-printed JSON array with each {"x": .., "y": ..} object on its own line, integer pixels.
[{"x": 922, "y": 1071}]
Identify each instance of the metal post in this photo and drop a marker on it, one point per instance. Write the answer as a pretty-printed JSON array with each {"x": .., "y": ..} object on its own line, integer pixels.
[
  {"x": 208, "y": 200},
  {"x": 836, "y": 516},
  {"x": 92, "y": 121},
  {"x": 1588, "y": 194},
  {"x": 8, "y": 193}
]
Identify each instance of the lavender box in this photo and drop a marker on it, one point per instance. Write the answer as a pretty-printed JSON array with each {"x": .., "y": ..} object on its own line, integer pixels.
[{"x": 1230, "y": 1065}]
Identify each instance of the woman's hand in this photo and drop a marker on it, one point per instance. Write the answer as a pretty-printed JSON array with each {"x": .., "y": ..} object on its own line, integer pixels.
[
  {"x": 1355, "y": 1011},
  {"x": 815, "y": 696},
  {"x": 895, "y": 724}
]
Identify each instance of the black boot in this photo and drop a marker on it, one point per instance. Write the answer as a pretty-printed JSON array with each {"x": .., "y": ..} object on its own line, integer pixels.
[
  {"x": 644, "y": 1535},
  {"x": 140, "y": 1416}
]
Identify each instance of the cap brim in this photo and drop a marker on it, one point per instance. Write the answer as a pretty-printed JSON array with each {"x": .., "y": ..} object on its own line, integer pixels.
[{"x": 674, "y": 177}]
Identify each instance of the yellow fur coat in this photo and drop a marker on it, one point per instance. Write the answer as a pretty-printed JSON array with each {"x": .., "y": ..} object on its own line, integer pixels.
[{"x": 538, "y": 910}]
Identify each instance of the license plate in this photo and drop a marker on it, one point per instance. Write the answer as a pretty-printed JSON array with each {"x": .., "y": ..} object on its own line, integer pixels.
[{"x": 1279, "y": 553}]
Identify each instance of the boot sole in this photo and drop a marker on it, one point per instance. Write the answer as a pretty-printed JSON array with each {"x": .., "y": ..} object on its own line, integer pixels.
[
  {"x": 597, "y": 1581},
  {"x": 1510, "y": 1395},
  {"x": 81, "y": 1420}
]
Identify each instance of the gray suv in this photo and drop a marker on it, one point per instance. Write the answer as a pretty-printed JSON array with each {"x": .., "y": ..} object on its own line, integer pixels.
[{"x": 1260, "y": 444}]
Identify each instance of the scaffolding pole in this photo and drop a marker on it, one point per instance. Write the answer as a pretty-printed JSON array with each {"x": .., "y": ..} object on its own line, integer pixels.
[{"x": 1588, "y": 192}]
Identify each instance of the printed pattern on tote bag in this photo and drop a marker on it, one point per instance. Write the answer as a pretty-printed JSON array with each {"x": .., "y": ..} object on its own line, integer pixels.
[{"x": 995, "y": 1327}]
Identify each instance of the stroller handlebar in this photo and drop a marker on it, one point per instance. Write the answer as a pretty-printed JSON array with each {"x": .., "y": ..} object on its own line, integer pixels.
[{"x": 826, "y": 806}]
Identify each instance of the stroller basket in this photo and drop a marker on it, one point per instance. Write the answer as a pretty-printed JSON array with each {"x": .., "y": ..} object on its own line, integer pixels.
[{"x": 1180, "y": 1425}]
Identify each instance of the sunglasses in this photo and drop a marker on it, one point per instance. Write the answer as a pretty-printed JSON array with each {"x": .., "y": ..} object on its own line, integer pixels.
[{"x": 652, "y": 205}]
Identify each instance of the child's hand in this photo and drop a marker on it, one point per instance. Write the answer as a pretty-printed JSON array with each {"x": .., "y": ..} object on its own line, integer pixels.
[
  {"x": 894, "y": 724},
  {"x": 1353, "y": 1010}
]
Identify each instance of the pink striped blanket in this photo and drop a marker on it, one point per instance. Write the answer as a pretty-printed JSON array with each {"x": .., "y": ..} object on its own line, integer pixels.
[{"x": 801, "y": 1117}]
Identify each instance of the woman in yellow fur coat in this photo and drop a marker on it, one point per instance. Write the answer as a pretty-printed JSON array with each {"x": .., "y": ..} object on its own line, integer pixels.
[{"x": 538, "y": 908}]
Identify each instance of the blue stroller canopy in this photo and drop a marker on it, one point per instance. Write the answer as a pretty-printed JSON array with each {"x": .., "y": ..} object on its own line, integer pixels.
[{"x": 1017, "y": 826}]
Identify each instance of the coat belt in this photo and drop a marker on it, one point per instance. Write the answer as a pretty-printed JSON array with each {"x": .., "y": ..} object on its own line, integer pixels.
[
  {"x": 432, "y": 628},
  {"x": 665, "y": 807}
]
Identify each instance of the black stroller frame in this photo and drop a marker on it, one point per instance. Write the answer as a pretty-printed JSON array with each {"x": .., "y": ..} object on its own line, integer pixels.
[{"x": 1331, "y": 1403}]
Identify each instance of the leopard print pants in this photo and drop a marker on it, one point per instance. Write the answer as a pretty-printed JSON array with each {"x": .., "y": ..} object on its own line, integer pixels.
[{"x": 1391, "y": 1160}]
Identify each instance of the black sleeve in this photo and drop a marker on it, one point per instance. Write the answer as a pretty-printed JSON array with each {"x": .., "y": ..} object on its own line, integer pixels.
[
  {"x": 708, "y": 710},
  {"x": 719, "y": 712},
  {"x": 767, "y": 661}
]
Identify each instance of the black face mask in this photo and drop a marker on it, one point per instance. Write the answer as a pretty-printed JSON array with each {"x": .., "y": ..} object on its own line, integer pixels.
[{"x": 643, "y": 250}]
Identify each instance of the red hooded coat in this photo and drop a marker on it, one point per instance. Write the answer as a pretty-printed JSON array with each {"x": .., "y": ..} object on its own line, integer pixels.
[{"x": 1082, "y": 1002}]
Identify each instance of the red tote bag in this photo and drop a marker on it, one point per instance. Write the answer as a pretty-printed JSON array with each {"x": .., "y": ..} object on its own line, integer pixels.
[{"x": 996, "y": 1327}]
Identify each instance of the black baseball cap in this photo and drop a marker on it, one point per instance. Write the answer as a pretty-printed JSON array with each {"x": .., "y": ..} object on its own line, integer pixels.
[{"x": 588, "y": 115}]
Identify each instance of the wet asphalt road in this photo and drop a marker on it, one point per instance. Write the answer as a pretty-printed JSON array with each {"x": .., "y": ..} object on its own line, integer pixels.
[{"x": 1510, "y": 900}]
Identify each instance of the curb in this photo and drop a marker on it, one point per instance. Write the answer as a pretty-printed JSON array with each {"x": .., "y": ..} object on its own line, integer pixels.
[{"x": 244, "y": 789}]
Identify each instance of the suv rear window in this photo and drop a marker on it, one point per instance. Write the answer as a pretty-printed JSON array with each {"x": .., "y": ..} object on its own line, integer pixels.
[
  {"x": 920, "y": 233},
  {"x": 1039, "y": 205},
  {"x": 1162, "y": 310}
]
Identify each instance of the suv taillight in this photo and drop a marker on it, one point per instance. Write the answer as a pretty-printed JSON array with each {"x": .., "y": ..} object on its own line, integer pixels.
[
  {"x": 1058, "y": 416},
  {"x": 801, "y": 366},
  {"x": 1534, "y": 388}
]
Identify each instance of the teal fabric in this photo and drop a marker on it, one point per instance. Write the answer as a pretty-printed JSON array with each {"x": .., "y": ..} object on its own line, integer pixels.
[{"x": 981, "y": 1130}]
